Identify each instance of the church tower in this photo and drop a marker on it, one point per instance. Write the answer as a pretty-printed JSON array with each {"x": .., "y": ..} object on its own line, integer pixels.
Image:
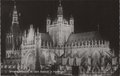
[
  {"x": 13, "y": 38},
  {"x": 15, "y": 23},
  {"x": 60, "y": 28}
]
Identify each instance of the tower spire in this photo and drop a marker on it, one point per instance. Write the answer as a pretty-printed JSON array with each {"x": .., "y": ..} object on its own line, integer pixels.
[
  {"x": 59, "y": 2},
  {"x": 15, "y": 14},
  {"x": 15, "y": 23},
  {"x": 60, "y": 10}
]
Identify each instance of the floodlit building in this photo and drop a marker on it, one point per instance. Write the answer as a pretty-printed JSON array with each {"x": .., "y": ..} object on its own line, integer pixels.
[
  {"x": 86, "y": 49},
  {"x": 13, "y": 41},
  {"x": 59, "y": 45}
]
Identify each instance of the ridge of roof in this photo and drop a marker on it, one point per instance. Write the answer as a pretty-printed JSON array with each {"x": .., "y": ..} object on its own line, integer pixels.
[{"x": 84, "y": 36}]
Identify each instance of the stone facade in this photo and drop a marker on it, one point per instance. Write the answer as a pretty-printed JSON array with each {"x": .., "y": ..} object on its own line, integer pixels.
[
  {"x": 31, "y": 49},
  {"x": 59, "y": 29},
  {"x": 61, "y": 45},
  {"x": 14, "y": 38},
  {"x": 35, "y": 43},
  {"x": 13, "y": 41}
]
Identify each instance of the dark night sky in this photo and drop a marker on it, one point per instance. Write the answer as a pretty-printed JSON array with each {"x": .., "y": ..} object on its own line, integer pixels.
[{"x": 87, "y": 15}]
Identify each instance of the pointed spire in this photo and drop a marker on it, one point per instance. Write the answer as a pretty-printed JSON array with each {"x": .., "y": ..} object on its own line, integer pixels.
[
  {"x": 15, "y": 14},
  {"x": 59, "y": 2},
  {"x": 25, "y": 33},
  {"x": 60, "y": 10},
  {"x": 71, "y": 17},
  {"x": 37, "y": 31},
  {"x": 14, "y": 4}
]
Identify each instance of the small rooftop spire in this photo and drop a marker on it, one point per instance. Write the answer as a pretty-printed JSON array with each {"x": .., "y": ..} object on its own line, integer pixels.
[
  {"x": 37, "y": 30},
  {"x": 71, "y": 17},
  {"x": 48, "y": 17}
]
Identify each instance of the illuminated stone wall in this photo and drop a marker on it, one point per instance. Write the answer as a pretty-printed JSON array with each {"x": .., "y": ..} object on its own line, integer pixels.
[
  {"x": 60, "y": 28},
  {"x": 28, "y": 50}
]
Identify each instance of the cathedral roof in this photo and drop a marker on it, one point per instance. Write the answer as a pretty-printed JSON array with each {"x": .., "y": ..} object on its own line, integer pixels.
[{"x": 84, "y": 36}]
